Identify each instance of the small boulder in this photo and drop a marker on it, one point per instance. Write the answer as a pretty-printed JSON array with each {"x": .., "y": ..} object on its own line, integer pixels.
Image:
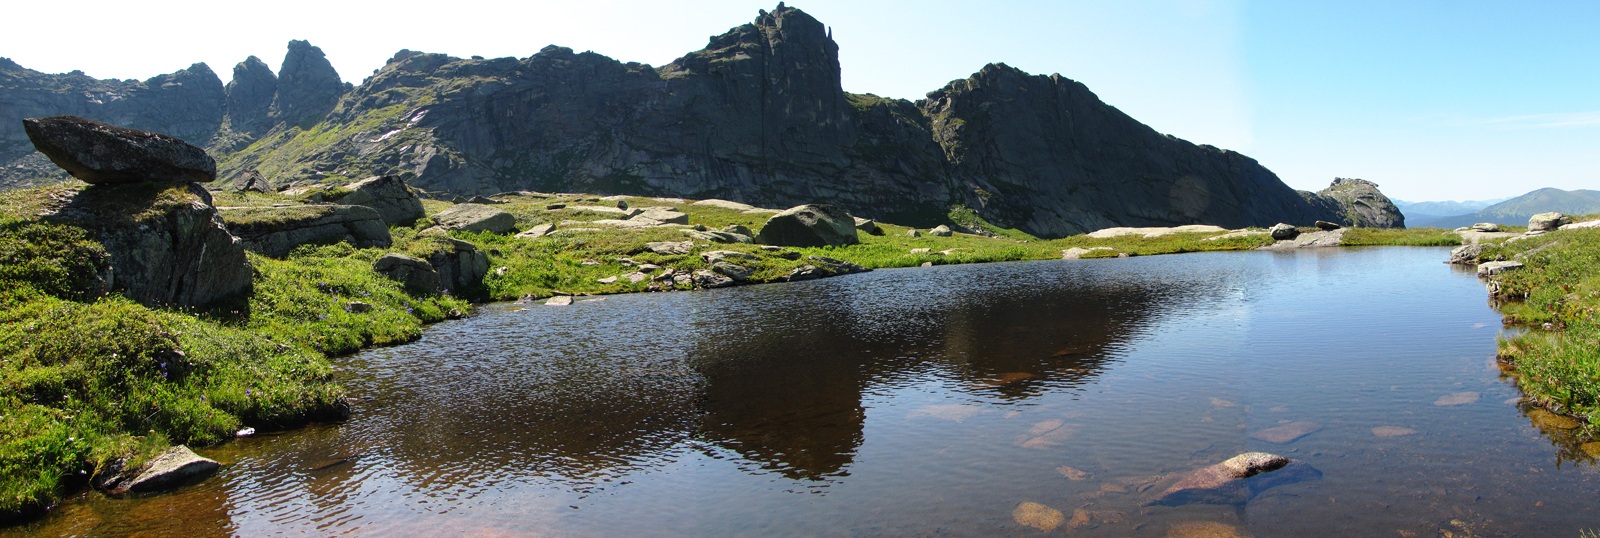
[
  {"x": 461, "y": 265},
  {"x": 715, "y": 256},
  {"x": 1486, "y": 227},
  {"x": 708, "y": 279},
  {"x": 1283, "y": 232},
  {"x": 1466, "y": 254},
  {"x": 416, "y": 275},
  {"x": 811, "y": 225},
  {"x": 483, "y": 200},
  {"x": 388, "y": 195},
  {"x": 1327, "y": 226},
  {"x": 868, "y": 226},
  {"x": 670, "y": 247},
  {"x": 913, "y": 233},
  {"x": 1545, "y": 222},
  {"x": 738, "y": 273},
  {"x": 476, "y": 218},
  {"x": 739, "y": 229},
  {"x": 1495, "y": 268},
  {"x": 173, "y": 468},
  {"x": 665, "y": 216},
  {"x": 940, "y": 231},
  {"x": 712, "y": 236},
  {"x": 537, "y": 231},
  {"x": 104, "y": 154}
]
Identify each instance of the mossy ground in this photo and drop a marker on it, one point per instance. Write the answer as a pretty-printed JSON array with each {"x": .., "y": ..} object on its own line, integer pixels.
[
  {"x": 1559, "y": 288},
  {"x": 86, "y": 378}
]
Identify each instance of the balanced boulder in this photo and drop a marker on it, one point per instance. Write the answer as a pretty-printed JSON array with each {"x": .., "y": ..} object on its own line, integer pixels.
[
  {"x": 101, "y": 154},
  {"x": 274, "y": 231},
  {"x": 811, "y": 225},
  {"x": 390, "y": 196},
  {"x": 476, "y": 218}
]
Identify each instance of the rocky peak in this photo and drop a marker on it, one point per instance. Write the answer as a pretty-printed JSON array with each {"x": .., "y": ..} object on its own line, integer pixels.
[
  {"x": 1359, "y": 203},
  {"x": 250, "y": 95},
  {"x": 308, "y": 86}
]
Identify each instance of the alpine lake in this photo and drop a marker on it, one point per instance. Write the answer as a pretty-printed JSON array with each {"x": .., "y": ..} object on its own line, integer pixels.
[{"x": 1009, "y": 399}]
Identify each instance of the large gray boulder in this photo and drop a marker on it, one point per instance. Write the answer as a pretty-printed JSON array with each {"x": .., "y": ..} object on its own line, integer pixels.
[
  {"x": 418, "y": 276},
  {"x": 274, "y": 231},
  {"x": 390, "y": 196},
  {"x": 476, "y": 218},
  {"x": 166, "y": 243},
  {"x": 98, "y": 153},
  {"x": 1545, "y": 222},
  {"x": 1281, "y": 231},
  {"x": 810, "y": 225}
]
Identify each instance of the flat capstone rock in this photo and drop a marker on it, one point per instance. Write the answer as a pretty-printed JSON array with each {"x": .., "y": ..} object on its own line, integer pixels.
[{"x": 98, "y": 153}]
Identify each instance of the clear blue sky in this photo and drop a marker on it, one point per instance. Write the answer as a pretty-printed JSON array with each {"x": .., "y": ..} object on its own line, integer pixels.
[{"x": 1432, "y": 99}]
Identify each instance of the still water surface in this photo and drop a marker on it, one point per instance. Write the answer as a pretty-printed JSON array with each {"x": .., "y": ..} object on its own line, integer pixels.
[{"x": 924, "y": 401}]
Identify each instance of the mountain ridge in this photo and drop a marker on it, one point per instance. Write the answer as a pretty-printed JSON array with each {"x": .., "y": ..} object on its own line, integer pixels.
[
  {"x": 758, "y": 115},
  {"x": 1517, "y": 210}
]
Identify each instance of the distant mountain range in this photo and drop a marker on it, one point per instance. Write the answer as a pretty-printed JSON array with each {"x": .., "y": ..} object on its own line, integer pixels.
[
  {"x": 757, "y": 116},
  {"x": 1513, "y": 211},
  {"x": 1418, "y": 213}
]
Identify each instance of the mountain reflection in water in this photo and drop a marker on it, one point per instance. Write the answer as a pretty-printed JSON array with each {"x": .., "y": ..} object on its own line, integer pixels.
[{"x": 938, "y": 400}]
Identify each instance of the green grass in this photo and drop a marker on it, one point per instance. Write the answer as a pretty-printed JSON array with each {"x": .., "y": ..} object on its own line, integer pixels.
[
  {"x": 1560, "y": 288},
  {"x": 1415, "y": 237},
  {"x": 87, "y": 378}
]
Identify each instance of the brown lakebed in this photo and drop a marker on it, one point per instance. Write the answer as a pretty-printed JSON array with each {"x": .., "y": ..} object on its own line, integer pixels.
[{"x": 924, "y": 401}]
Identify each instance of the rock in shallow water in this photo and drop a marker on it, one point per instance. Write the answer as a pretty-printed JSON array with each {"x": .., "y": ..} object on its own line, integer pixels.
[
  {"x": 1287, "y": 433},
  {"x": 1236, "y": 480},
  {"x": 173, "y": 468},
  {"x": 106, "y": 154},
  {"x": 1457, "y": 398},
  {"x": 1038, "y": 516}
]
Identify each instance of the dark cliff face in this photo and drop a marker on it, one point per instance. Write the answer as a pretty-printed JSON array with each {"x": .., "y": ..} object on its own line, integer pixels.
[
  {"x": 757, "y": 116},
  {"x": 1014, "y": 139},
  {"x": 250, "y": 96},
  {"x": 308, "y": 87}
]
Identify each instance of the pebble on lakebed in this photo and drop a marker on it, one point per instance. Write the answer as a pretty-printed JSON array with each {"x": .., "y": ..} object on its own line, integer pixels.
[{"x": 1038, "y": 516}]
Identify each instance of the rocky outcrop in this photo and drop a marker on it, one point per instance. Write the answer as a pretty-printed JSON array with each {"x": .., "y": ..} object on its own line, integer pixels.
[
  {"x": 308, "y": 86},
  {"x": 249, "y": 97},
  {"x": 416, "y": 275},
  {"x": 102, "y": 154},
  {"x": 1546, "y": 222},
  {"x": 390, "y": 196},
  {"x": 275, "y": 231},
  {"x": 1357, "y": 202},
  {"x": 759, "y": 115},
  {"x": 461, "y": 266},
  {"x": 810, "y": 225},
  {"x": 167, "y": 245},
  {"x": 476, "y": 218}
]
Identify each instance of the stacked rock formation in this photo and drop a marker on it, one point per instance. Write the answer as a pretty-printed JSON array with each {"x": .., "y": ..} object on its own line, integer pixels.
[{"x": 166, "y": 242}]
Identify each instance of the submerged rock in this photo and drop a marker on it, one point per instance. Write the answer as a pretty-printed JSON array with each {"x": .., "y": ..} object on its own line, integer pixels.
[
  {"x": 106, "y": 154},
  {"x": 1287, "y": 433},
  {"x": 1457, "y": 398},
  {"x": 1038, "y": 516},
  {"x": 1392, "y": 431},
  {"x": 1234, "y": 480}
]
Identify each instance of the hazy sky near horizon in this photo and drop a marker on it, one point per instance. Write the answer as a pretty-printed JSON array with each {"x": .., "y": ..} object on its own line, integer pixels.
[{"x": 1432, "y": 99}]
